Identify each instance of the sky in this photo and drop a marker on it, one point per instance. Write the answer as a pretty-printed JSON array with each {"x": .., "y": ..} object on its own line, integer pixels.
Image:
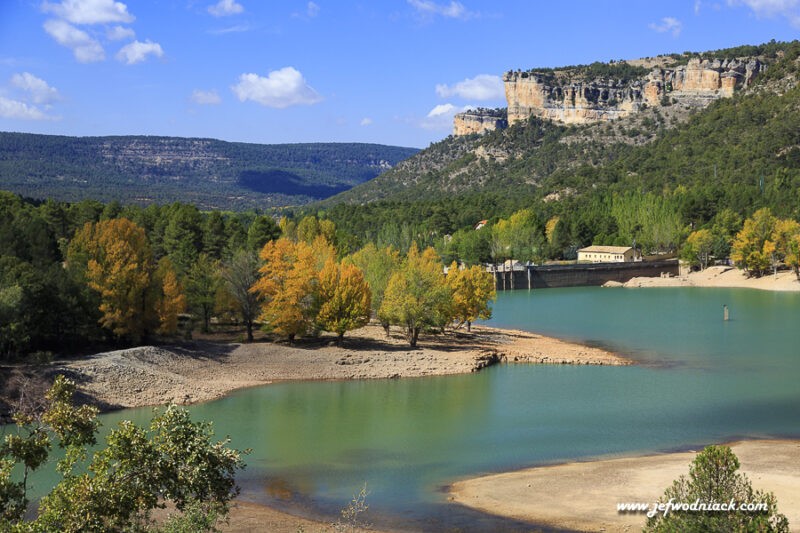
[{"x": 278, "y": 71}]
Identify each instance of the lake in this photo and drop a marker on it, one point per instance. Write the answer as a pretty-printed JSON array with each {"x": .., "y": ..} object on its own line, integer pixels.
[{"x": 701, "y": 380}]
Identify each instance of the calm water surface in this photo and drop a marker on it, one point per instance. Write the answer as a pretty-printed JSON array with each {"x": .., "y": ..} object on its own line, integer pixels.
[{"x": 702, "y": 380}]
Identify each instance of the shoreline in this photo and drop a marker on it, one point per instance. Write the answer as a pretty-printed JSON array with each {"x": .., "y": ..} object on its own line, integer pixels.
[
  {"x": 203, "y": 371},
  {"x": 582, "y": 495},
  {"x": 720, "y": 277}
]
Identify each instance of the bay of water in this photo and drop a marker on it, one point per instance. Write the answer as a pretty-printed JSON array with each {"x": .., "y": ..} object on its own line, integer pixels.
[{"x": 701, "y": 380}]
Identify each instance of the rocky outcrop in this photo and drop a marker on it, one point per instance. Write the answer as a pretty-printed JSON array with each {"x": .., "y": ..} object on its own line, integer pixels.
[
  {"x": 712, "y": 78},
  {"x": 572, "y": 100},
  {"x": 479, "y": 121}
]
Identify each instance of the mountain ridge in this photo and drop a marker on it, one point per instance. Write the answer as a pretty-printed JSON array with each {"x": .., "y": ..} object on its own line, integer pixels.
[{"x": 211, "y": 173}]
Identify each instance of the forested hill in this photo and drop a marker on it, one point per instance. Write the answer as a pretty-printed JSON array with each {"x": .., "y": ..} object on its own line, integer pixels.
[
  {"x": 206, "y": 172},
  {"x": 738, "y": 152}
]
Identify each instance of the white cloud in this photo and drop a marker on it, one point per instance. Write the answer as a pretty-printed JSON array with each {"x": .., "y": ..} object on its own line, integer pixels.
[
  {"x": 429, "y": 8},
  {"x": 312, "y": 10},
  {"x": 119, "y": 33},
  {"x": 15, "y": 109},
  {"x": 224, "y": 8},
  {"x": 788, "y": 9},
  {"x": 280, "y": 89},
  {"x": 668, "y": 24},
  {"x": 90, "y": 11},
  {"x": 84, "y": 47},
  {"x": 481, "y": 87},
  {"x": 137, "y": 51},
  {"x": 441, "y": 116},
  {"x": 38, "y": 90},
  {"x": 205, "y": 97},
  {"x": 366, "y": 121},
  {"x": 239, "y": 28}
]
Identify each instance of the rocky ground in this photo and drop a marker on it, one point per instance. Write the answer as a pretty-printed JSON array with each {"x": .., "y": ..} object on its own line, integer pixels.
[{"x": 204, "y": 370}]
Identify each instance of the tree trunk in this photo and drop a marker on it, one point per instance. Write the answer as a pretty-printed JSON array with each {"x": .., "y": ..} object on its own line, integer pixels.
[
  {"x": 385, "y": 326},
  {"x": 291, "y": 338},
  {"x": 249, "y": 331},
  {"x": 414, "y": 337},
  {"x": 340, "y": 339},
  {"x": 469, "y": 326}
]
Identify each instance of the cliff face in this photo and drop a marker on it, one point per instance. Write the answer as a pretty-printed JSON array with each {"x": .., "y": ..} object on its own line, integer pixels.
[
  {"x": 480, "y": 122},
  {"x": 578, "y": 102}
]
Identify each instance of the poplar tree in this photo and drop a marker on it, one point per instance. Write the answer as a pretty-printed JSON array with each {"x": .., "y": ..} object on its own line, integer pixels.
[
  {"x": 118, "y": 267},
  {"x": 417, "y": 295},
  {"x": 344, "y": 298},
  {"x": 473, "y": 288}
]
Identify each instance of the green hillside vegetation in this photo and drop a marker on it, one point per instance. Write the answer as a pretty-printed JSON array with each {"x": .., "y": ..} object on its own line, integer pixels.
[
  {"x": 736, "y": 156},
  {"x": 209, "y": 173}
]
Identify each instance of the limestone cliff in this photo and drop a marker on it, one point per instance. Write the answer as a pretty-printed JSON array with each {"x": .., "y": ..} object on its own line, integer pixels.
[
  {"x": 479, "y": 121},
  {"x": 566, "y": 97}
]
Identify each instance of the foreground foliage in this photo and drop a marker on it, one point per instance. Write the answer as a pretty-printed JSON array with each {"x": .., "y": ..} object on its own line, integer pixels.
[
  {"x": 173, "y": 461},
  {"x": 713, "y": 478}
]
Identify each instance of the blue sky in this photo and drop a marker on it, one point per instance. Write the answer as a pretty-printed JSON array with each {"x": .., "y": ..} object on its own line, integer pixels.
[{"x": 273, "y": 71}]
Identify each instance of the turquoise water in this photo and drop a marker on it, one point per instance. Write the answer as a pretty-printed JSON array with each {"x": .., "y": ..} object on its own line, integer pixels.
[{"x": 701, "y": 380}]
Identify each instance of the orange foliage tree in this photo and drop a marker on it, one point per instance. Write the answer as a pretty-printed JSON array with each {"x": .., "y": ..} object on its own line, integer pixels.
[
  {"x": 171, "y": 301},
  {"x": 287, "y": 286},
  {"x": 119, "y": 267}
]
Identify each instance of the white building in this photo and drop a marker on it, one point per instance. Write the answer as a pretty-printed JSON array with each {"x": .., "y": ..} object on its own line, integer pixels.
[{"x": 608, "y": 254}]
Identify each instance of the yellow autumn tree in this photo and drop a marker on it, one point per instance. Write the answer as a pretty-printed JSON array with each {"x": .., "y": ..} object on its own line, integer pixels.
[
  {"x": 378, "y": 265},
  {"x": 783, "y": 234},
  {"x": 752, "y": 248},
  {"x": 171, "y": 301},
  {"x": 286, "y": 285},
  {"x": 344, "y": 297},
  {"x": 698, "y": 248},
  {"x": 119, "y": 267},
  {"x": 792, "y": 258},
  {"x": 417, "y": 295},
  {"x": 473, "y": 288},
  {"x": 550, "y": 228}
]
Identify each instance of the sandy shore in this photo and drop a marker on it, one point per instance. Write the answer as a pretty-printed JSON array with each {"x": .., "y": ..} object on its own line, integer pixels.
[
  {"x": 203, "y": 371},
  {"x": 722, "y": 276},
  {"x": 583, "y": 496}
]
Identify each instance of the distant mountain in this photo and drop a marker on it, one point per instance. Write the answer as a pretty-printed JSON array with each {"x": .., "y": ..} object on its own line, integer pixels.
[
  {"x": 209, "y": 173},
  {"x": 726, "y": 147}
]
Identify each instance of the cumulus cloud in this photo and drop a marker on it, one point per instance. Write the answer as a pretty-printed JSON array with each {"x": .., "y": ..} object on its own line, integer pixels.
[
  {"x": 84, "y": 47},
  {"x": 90, "y": 11},
  {"x": 481, "y": 87},
  {"x": 137, "y": 51},
  {"x": 668, "y": 24},
  {"x": 441, "y": 116},
  {"x": 366, "y": 121},
  {"x": 224, "y": 8},
  {"x": 37, "y": 90},
  {"x": 205, "y": 97},
  {"x": 119, "y": 33},
  {"x": 788, "y": 9},
  {"x": 280, "y": 89},
  {"x": 19, "y": 110},
  {"x": 312, "y": 9},
  {"x": 428, "y": 8}
]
